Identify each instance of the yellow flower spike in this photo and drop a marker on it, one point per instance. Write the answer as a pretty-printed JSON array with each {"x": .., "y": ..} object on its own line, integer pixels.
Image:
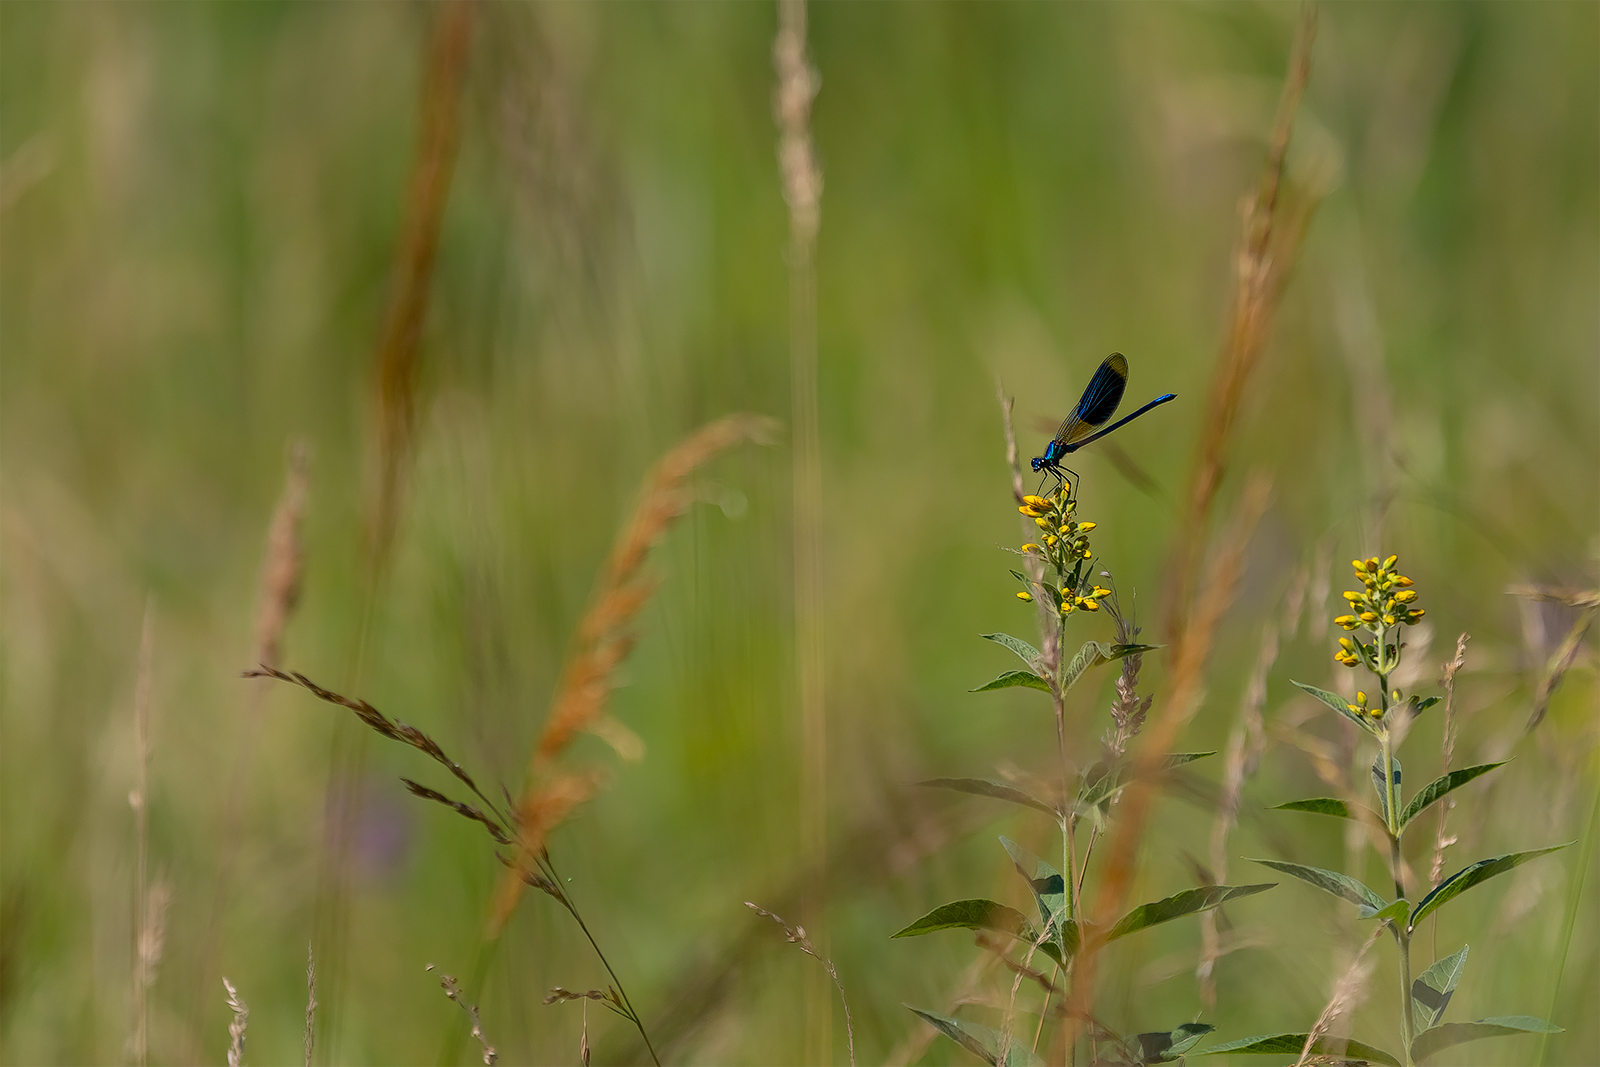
[
  {"x": 1025, "y": 596},
  {"x": 1087, "y": 526},
  {"x": 1405, "y": 596},
  {"x": 1367, "y": 616},
  {"x": 1389, "y": 563}
]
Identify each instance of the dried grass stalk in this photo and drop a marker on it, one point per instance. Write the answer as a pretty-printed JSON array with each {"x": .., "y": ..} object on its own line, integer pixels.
[
  {"x": 1245, "y": 743},
  {"x": 1448, "y": 751},
  {"x": 236, "y": 1028},
  {"x": 311, "y": 1002},
  {"x": 139, "y": 800},
  {"x": 796, "y": 88},
  {"x": 284, "y": 562},
  {"x": 1348, "y": 992},
  {"x": 396, "y": 359},
  {"x": 796, "y": 935},
  {"x": 603, "y": 640},
  {"x": 1267, "y": 251},
  {"x": 452, "y": 989}
]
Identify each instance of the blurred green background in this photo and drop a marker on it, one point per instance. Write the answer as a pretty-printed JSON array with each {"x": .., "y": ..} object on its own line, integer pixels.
[{"x": 200, "y": 208}]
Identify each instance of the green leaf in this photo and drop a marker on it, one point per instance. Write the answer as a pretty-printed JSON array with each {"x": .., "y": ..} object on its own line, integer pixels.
[
  {"x": 1378, "y": 784},
  {"x": 1050, "y": 893},
  {"x": 1178, "y": 759},
  {"x": 1340, "y": 885},
  {"x": 1028, "y": 654},
  {"x": 1440, "y": 786},
  {"x": 1094, "y": 653},
  {"x": 1178, "y": 905},
  {"x": 1320, "y": 806},
  {"x": 985, "y": 787},
  {"x": 1394, "y": 913},
  {"x": 1438, "y": 1038},
  {"x": 972, "y": 915},
  {"x": 1291, "y": 1044},
  {"x": 982, "y": 1041},
  {"x": 1469, "y": 876},
  {"x": 1420, "y": 706},
  {"x": 1014, "y": 678},
  {"x": 1341, "y": 705},
  {"x": 1166, "y": 1046},
  {"x": 1431, "y": 992}
]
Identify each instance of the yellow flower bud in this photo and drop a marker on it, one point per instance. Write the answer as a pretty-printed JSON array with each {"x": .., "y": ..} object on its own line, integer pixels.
[
  {"x": 1025, "y": 596},
  {"x": 1043, "y": 524},
  {"x": 1087, "y": 553},
  {"x": 1388, "y": 620},
  {"x": 1065, "y": 530},
  {"x": 1405, "y": 596},
  {"x": 1051, "y": 539},
  {"x": 1372, "y": 563},
  {"x": 1087, "y": 526},
  {"x": 1091, "y": 605},
  {"x": 1035, "y": 501},
  {"x": 1367, "y": 616},
  {"x": 1389, "y": 563},
  {"x": 1354, "y": 598},
  {"x": 1347, "y": 644},
  {"x": 1030, "y": 547},
  {"x": 1395, "y": 696},
  {"x": 1359, "y": 565},
  {"x": 1401, "y": 579},
  {"x": 1361, "y": 698},
  {"x": 1346, "y": 621}
]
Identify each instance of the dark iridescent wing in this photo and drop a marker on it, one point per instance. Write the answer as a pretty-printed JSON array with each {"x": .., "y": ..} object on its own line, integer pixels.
[{"x": 1099, "y": 401}]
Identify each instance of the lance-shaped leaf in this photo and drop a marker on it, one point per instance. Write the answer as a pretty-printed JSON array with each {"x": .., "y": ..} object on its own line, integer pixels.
[
  {"x": 972, "y": 915},
  {"x": 1438, "y": 1038},
  {"x": 1323, "y": 806},
  {"x": 1094, "y": 653},
  {"x": 1165, "y": 1046},
  {"x": 1472, "y": 875},
  {"x": 1291, "y": 1044},
  {"x": 1341, "y": 705},
  {"x": 1440, "y": 786},
  {"x": 1378, "y": 785},
  {"x": 1026, "y": 652},
  {"x": 1011, "y": 679},
  {"x": 1340, "y": 885},
  {"x": 1050, "y": 892},
  {"x": 1432, "y": 990},
  {"x": 982, "y": 1041},
  {"x": 986, "y": 787},
  {"x": 1178, "y": 905}
]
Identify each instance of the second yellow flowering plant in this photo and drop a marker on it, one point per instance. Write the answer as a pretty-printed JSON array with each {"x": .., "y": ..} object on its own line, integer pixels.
[{"x": 1380, "y": 610}]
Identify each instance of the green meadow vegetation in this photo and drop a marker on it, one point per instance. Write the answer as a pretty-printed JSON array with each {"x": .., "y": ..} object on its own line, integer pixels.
[{"x": 519, "y": 544}]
